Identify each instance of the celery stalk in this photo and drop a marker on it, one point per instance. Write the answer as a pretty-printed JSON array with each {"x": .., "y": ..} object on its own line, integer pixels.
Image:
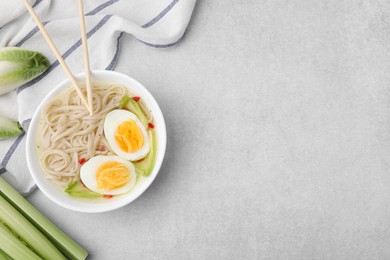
[
  {"x": 146, "y": 165},
  {"x": 125, "y": 99},
  {"x": 3, "y": 256},
  {"x": 135, "y": 108},
  {"x": 64, "y": 243},
  {"x": 28, "y": 232},
  {"x": 13, "y": 247}
]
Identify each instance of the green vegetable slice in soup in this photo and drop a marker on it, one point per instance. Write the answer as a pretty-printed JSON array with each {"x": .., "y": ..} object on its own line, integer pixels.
[
  {"x": 134, "y": 107},
  {"x": 78, "y": 189},
  {"x": 146, "y": 165}
]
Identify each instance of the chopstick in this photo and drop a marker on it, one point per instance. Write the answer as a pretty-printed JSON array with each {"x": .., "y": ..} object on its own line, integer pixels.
[
  {"x": 56, "y": 53},
  {"x": 86, "y": 56}
]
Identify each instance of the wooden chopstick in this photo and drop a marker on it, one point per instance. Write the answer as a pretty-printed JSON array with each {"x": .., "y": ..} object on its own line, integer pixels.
[
  {"x": 86, "y": 56},
  {"x": 56, "y": 53}
]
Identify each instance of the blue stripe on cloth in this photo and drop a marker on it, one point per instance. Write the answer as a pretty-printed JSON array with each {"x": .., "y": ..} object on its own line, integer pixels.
[
  {"x": 65, "y": 55},
  {"x": 161, "y": 45},
  {"x": 116, "y": 55},
  {"x": 11, "y": 150},
  {"x": 26, "y": 124},
  {"x": 2, "y": 170},
  {"x": 33, "y": 188},
  {"x": 148, "y": 24},
  {"x": 36, "y": 29},
  {"x": 37, "y": 3},
  {"x": 30, "y": 34},
  {"x": 101, "y": 7},
  {"x": 155, "y": 20},
  {"x": 160, "y": 15}
]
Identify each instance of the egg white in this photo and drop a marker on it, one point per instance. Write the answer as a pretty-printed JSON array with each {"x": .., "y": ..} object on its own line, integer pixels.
[
  {"x": 88, "y": 174},
  {"x": 111, "y": 123}
]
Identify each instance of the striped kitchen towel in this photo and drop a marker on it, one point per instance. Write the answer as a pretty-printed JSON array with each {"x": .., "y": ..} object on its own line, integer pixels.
[{"x": 156, "y": 23}]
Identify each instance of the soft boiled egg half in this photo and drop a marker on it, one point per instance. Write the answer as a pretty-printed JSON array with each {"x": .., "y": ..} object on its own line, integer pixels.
[
  {"x": 126, "y": 135},
  {"x": 109, "y": 175}
]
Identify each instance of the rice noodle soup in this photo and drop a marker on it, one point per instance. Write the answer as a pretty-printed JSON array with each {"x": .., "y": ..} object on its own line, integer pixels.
[{"x": 97, "y": 156}]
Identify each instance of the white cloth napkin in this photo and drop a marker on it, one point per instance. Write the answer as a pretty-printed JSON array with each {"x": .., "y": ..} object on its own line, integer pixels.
[{"x": 156, "y": 23}]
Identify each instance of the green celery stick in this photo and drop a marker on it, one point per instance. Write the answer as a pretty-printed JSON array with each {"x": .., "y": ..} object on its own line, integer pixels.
[
  {"x": 4, "y": 256},
  {"x": 13, "y": 247},
  {"x": 63, "y": 242},
  {"x": 28, "y": 232}
]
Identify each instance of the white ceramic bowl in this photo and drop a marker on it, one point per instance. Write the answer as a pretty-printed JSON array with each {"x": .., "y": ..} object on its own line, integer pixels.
[{"x": 93, "y": 205}]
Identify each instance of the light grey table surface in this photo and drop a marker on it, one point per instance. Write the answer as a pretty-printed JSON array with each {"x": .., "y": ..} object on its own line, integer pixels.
[{"x": 278, "y": 120}]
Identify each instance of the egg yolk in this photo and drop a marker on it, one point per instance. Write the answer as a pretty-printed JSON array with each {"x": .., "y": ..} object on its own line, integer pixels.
[
  {"x": 112, "y": 175},
  {"x": 129, "y": 137}
]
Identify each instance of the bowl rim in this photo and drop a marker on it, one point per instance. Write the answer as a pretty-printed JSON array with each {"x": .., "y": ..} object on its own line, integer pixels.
[{"x": 31, "y": 152}]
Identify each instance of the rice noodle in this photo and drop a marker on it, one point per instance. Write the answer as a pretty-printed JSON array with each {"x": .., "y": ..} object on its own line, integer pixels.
[{"x": 69, "y": 133}]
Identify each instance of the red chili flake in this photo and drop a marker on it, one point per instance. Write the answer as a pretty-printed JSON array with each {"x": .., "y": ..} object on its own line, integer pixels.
[
  {"x": 136, "y": 99},
  {"x": 151, "y": 125},
  {"x": 107, "y": 196},
  {"x": 102, "y": 148},
  {"x": 82, "y": 161}
]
